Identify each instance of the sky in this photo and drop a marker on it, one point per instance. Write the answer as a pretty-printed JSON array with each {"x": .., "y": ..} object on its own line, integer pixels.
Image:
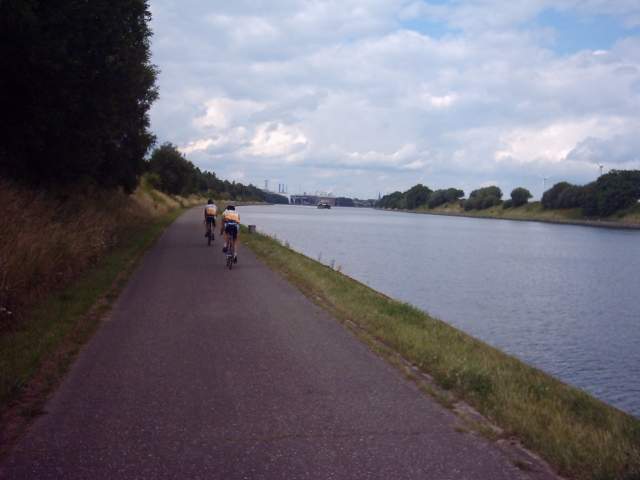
[{"x": 361, "y": 97}]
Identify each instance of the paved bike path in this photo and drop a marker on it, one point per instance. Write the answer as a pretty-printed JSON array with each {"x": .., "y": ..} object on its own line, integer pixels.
[{"x": 201, "y": 372}]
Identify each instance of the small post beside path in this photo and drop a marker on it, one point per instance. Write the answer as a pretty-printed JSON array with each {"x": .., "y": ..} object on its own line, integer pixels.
[{"x": 252, "y": 228}]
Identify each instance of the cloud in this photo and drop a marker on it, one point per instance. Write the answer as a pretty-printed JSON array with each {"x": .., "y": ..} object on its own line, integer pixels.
[
  {"x": 298, "y": 90},
  {"x": 550, "y": 143},
  {"x": 618, "y": 151},
  {"x": 222, "y": 113},
  {"x": 271, "y": 140}
]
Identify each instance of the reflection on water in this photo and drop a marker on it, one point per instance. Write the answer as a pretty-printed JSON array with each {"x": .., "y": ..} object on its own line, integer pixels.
[{"x": 563, "y": 298}]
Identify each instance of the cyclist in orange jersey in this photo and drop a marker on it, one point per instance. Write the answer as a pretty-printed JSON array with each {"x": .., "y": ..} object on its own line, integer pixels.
[
  {"x": 230, "y": 227},
  {"x": 210, "y": 212}
]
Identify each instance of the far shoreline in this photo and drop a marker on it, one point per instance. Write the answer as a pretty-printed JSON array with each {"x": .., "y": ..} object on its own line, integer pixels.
[{"x": 597, "y": 223}]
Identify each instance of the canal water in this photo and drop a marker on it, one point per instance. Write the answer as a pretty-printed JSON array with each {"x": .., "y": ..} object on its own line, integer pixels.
[{"x": 563, "y": 298}]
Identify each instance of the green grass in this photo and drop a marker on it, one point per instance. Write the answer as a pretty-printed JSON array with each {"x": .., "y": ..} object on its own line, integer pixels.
[
  {"x": 534, "y": 212},
  {"x": 579, "y": 435},
  {"x": 67, "y": 318}
]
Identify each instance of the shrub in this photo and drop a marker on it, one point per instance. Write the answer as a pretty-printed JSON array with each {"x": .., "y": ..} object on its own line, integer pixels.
[
  {"x": 483, "y": 198},
  {"x": 613, "y": 191},
  {"x": 393, "y": 200},
  {"x": 550, "y": 197},
  {"x": 440, "y": 197},
  {"x": 416, "y": 196},
  {"x": 520, "y": 196}
]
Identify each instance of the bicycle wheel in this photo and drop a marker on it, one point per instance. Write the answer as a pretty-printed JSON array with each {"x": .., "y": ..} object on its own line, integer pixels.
[
  {"x": 209, "y": 235},
  {"x": 229, "y": 261}
]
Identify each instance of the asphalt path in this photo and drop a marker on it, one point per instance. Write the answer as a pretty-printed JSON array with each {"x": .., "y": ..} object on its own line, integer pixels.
[{"x": 201, "y": 372}]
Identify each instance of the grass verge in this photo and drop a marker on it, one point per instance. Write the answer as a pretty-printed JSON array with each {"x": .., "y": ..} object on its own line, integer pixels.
[
  {"x": 579, "y": 435},
  {"x": 34, "y": 357},
  {"x": 627, "y": 218}
]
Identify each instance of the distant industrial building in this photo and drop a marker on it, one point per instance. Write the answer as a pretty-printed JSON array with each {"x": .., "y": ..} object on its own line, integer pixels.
[
  {"x": 314, "y": 200},
  {"x": 311, "y": 200}
]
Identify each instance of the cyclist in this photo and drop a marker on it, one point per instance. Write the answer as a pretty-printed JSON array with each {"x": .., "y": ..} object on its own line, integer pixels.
[
  {"x": 230, "y": 227},
  {"x": 210, "y": 212}
]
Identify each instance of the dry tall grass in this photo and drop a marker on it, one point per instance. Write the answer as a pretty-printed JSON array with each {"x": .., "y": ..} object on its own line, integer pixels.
[{"x": 48, "y": 239}]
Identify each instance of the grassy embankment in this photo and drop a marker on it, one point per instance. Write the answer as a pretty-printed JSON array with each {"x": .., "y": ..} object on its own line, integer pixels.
[
  {"x": 579, "y": 435},
  {"x": 627, "y": 218},
  {"x": 62, "y": 262}
]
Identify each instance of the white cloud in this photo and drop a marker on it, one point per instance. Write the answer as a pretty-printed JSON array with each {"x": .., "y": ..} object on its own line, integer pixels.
[
  {"x": 551, "y": 143},
  {"x": 616, "y": 151},
  {"x": 292, "y": 89},
  {"x": 271, "y": 140},
  {"x": 224, "y": 112}
]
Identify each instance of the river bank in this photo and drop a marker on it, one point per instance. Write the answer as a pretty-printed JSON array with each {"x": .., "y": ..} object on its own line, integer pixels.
[
  {"x": 533, "y": 212},
  {"x": 578, "y": 434}
]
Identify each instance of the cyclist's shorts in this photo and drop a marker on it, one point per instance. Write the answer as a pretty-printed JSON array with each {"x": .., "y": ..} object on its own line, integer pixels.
[
  {"x": 231, "y": 229},
  {"x": 211, "y": 220}
]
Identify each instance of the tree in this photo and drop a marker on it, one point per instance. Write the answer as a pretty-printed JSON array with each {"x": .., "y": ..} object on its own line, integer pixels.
[
  {"x": 344, "y": 202},
  {"x": 416, "y": 196},
  {"x": 550, "y": 197},
  {"x": 392, "y": 200},
  {"x": 76, "y": 86},
  {"x": 483, "y": 198},
  {"x": 573, "y": 196},
  {"x": 440, "y": 197},
  {"x": 172, "y": 173},
  {"x": 613, "y": 191},
  {"x": 520, "y": 196},
  {"x": 177, "y": 174}
]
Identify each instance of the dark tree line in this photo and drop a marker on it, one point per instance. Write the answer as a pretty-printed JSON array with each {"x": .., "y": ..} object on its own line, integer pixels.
[
  {"x": 345, "y": 202},
  {"x": 613, "y": 191},
  {"x": 75, "y": 90},
  {"x": 419, "y": 196},
  {"x": 483, "y": 198},
  {"x": 169, "y": 171}
]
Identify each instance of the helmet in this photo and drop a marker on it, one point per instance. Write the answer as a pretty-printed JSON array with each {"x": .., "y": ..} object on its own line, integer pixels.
[
  {"x": 209, "y": 202},
  {"x": 230, "y": 207}
]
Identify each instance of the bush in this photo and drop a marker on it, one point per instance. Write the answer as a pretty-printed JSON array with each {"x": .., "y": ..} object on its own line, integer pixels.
[
  {"x": 440, "y": 197},
  {"x": 483, "y": 198},
  {"x": 613, "y": 191},
  {"x": 507, "y": 204},
  {"x": 416, "y": 196},
  {"x": 394, "y": 200},
  {"x": 176, "y": 173},
  {"x": 520, "y": 196},
  {"x": 154, "y": 180},
  {"x": 550, "y": 197},
  {"x": 572, "y": 197}
]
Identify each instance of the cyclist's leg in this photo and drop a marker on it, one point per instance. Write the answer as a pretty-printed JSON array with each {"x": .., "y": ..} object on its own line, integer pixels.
[
  {"x": 226, "y": 240},
  {"x": 235, "y": 243}
]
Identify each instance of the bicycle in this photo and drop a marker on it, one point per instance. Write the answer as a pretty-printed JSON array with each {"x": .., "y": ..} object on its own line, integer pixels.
[
  {"x": 230, "y": 254},
  {"x": 209, "y": 234},
  {"x": 230, "y": 232}
]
